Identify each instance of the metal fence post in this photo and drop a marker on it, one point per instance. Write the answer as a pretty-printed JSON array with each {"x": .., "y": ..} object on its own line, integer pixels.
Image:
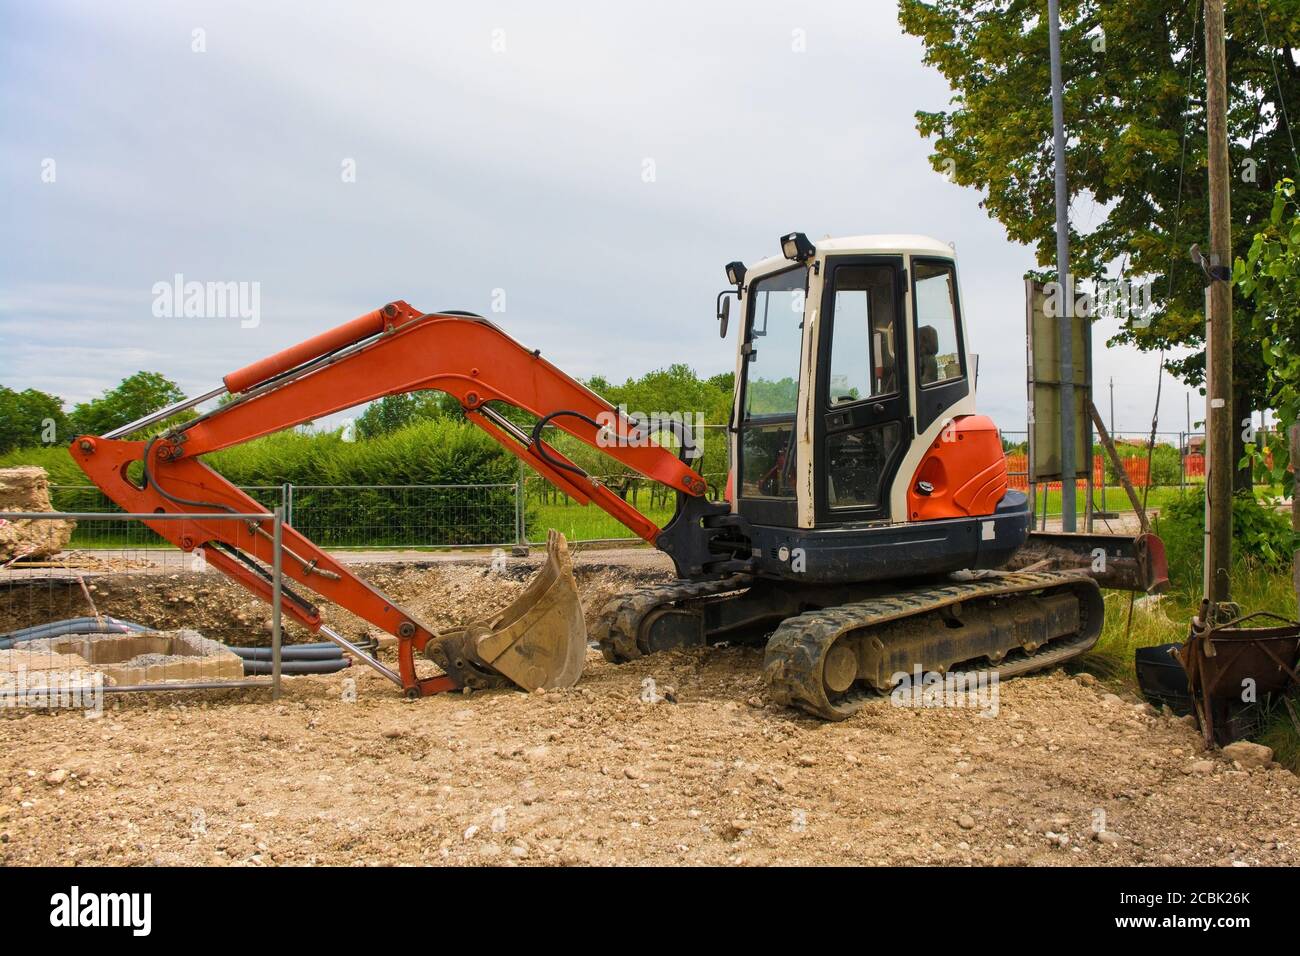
[
  {"x": 276, "y": 585},
  {"x": 286, "y": 499},
  {"x": 521, "y": 537},
  {"x": 1182, "y": 463}
]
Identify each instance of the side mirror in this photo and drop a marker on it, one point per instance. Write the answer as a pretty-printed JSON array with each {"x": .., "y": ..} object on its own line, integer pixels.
[{"x": 724, "y": 315}]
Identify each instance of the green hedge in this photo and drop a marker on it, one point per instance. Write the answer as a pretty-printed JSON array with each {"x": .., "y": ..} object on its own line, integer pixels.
[
  {"x": 431, "y": 452},
  {"x": 1261, "y": 537}
]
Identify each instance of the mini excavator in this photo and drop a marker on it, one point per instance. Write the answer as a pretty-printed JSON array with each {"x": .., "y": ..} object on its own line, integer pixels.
[{"x": 868, "y": 528}]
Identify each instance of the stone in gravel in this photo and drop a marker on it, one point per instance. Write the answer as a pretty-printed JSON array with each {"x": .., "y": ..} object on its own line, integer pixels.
[
  {"x": 966, "y": 821},
  {"x": 632, "y": 773},
  {"x": 1249, "y": 755},
  {"x": 1086, "y": 679},
  {"x": 56, "y": 777},
  {"x": 1201, "y": 766},
  {"x": 1105, "y": 836},
  {"x": 27, "y": 488},
  {"x": 806, "y": 760}
]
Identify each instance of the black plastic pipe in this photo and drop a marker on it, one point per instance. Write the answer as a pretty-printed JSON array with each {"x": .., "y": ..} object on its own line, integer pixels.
[
  {"x": 290, "y": 652},
  {"x": 292, "y": 668},
  {"x": 75, "y": 625}
]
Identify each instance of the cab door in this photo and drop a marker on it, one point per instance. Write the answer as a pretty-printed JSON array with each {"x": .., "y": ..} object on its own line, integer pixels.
[
  {"x": 771, "y": 352},
  {"x": 862, "y": 413}
]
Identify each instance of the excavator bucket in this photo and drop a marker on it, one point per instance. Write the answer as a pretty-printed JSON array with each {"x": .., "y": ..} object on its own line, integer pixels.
[{"x": 538, "y": 640}]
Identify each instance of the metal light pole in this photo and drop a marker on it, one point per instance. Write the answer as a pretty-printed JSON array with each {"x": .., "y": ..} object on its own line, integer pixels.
[
  {"x": 1219, "y": 465},
  {"x": 1068, "y": 518}
]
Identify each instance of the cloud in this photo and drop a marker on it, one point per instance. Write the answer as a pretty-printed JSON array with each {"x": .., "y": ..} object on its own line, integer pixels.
[{"x": 477, "y": 168}]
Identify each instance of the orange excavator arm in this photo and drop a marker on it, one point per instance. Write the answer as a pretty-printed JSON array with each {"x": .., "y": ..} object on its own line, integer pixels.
[{"x": 389, "y": 351}]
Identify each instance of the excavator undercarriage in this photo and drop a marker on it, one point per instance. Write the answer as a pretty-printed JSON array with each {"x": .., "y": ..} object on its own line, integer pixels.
[{"x": 828, "y": 650}]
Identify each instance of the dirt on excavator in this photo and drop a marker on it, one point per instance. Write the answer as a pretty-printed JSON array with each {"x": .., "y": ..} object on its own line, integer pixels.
[{"x": 674, "y": 758}]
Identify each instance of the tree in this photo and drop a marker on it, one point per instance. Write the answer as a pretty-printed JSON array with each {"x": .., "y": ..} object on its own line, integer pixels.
[
  {"x": 134, "y": 397},
  {"x": 1269, "y": 276},
  {"x": 392, "y": 412},
  {"x": 30, "y": 417},
  {"x": 723, "y": 381},
  {"x": 677, "y": 391},
  {"x": 1133, "y": 75}
]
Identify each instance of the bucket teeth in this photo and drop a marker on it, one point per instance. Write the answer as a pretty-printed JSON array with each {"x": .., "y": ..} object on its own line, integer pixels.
[{"x": 539, "y": 640}]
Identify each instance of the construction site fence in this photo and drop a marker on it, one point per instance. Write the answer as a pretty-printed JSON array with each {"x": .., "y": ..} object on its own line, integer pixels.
[
  {"x": 519, "y": 512},
  {"x": 65, "y": 640}
]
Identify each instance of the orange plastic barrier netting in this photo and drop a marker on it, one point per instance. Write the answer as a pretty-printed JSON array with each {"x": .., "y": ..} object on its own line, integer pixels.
[{"x": 1136, "y": 467}]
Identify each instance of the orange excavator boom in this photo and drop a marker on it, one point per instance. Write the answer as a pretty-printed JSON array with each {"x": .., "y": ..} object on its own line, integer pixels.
[{"x": 389, "y": 351}]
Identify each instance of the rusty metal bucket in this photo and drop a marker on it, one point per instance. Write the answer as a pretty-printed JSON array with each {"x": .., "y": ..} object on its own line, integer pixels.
[
  {"x": 538, "y": 640},
  {"x": 1221, "y": 660}
]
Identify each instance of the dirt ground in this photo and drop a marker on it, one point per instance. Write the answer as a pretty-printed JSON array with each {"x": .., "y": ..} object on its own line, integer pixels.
[{"x": 714, "y": 774}]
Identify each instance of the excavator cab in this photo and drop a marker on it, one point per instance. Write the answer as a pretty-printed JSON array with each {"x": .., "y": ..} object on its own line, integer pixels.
[{"x": 855, "y": 413}]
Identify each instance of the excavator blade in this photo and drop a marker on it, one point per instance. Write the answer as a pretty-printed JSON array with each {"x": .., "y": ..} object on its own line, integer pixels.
[{"x": 539, "y": 640}]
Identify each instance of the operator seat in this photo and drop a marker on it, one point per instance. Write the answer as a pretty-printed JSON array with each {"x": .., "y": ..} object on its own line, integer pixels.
[{"x": 928, "y": 345}]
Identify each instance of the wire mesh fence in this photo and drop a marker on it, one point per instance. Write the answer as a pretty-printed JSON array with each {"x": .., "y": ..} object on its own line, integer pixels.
[
  {"x": 437, "y": 516},
  {"x": 411, "y": 516},
  {"x": 76, "y": 624},
  {"x": 1174, "y": 466},
  {"x": 338, "y": 516}
]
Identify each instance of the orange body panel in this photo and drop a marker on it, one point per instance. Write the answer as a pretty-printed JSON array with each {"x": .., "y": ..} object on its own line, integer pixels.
[{"x": 966, "y": 470}]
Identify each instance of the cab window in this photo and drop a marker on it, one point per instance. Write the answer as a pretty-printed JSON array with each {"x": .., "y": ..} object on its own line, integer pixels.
[{"x": 938, "y": 348}]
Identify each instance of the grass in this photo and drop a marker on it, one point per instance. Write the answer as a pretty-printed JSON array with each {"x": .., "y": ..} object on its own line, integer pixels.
[
  {"x": 1117, "y": 499},
  {"x": 1167, "y": 620},
  {"x": 589, "y": 523}
]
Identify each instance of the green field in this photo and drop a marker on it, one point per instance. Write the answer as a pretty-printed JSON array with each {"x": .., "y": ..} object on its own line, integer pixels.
[{"x": 1116, "y": 499}]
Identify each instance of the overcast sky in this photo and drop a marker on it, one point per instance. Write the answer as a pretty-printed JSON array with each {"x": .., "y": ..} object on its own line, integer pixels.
[{"x": 495, "y": 146}]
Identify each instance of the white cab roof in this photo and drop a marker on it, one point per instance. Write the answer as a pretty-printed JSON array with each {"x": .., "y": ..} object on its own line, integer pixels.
[
  {"x": 892, "y": 244},
  {"x": 923, "y": 245}
]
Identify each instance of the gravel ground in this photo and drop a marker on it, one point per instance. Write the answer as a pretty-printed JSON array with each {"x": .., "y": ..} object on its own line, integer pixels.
[{"x": 709, "y": 771}]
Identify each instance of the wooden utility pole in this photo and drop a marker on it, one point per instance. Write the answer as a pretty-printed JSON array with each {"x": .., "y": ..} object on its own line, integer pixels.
[
  {"x": 1294, "y": 442},
  {"x": 1219, "y": 466}
]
